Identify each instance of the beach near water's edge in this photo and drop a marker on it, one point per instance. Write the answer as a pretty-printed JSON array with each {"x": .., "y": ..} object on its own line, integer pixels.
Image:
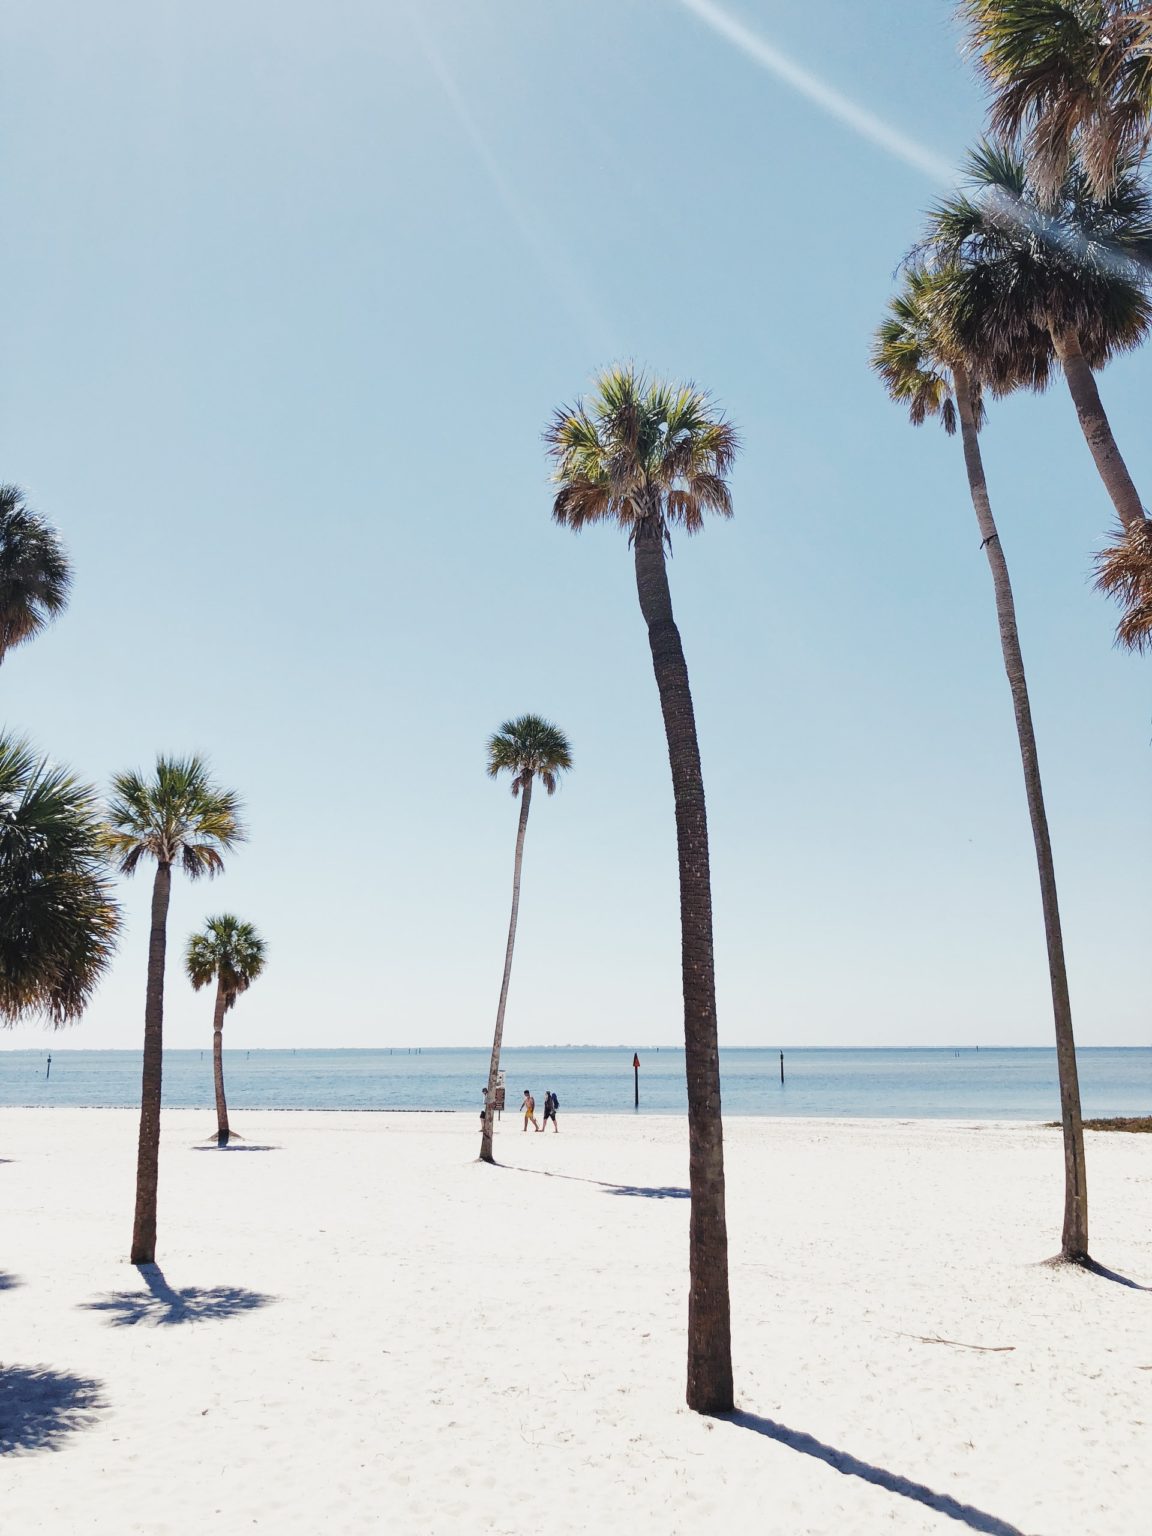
[{"x": 355, "y": 1327}]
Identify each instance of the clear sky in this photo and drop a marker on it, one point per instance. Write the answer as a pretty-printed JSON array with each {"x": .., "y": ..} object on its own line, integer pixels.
[{"x": 290, "y": 290}]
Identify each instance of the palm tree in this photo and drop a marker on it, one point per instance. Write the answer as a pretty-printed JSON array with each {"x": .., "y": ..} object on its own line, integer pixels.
[
  {"x": 58, "y": 917},
  {"x": 529, "y": 748},
  {"x": 1124, "y": 572},
  {"x": 651, "y": 457},
  {"x": 35, "y": 576},
  {"x": 923, "y": 368},
  {"x": 231, "y": 954},
  {"x": 1078, "y": 270},
  {"x": 178, "y": 816},
  {"x": 1070, "y": 78}
]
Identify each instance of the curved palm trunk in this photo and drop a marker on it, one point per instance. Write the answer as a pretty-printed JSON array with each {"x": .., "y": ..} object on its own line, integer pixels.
[
  {"x": 222, "y": 1130},
  {"x": 148, "y": 1151},
  {"x": 1096, "y": 427},
  {"x": 1074, "y": 1238},
  {"x": 709, "y": 1321},
  {"x": 498, "y": 1037}
]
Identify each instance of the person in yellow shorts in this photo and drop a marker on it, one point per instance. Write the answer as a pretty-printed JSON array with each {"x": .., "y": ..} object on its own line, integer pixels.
[{"x": 529, "y": 1109}]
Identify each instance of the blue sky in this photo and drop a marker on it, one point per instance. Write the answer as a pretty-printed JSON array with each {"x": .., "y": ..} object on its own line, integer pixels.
[{"x": 291, "y": 291}]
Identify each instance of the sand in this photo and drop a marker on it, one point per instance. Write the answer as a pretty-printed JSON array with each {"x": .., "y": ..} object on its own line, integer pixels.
[{"x": 356, "y": 1328}]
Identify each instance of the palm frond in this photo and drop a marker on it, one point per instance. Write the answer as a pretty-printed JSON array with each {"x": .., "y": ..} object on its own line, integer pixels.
[
  {"x": 35, "y": 573},
  {"x": 529, "y": 747},
  {"x": 641, "y": 452},
  {"x": 228, "y": 951},
  {"x": 1124, "y": 573},
  {"x": 1070, "y": 78},
  {"x": 177, "y": 815},
  {"x": 59, "y": 920}
]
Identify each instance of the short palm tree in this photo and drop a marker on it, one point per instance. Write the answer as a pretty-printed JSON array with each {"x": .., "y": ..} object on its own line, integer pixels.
[
  {"x": 651, "y": 457},
  {"x": 1070, "y": 79},
  {"x": 529, "y": 748},
  {"x": 1078, "y": 270},
  {"x": 35, "y": 576},
  {"x": 923, "y": 368},
  {"x": 58, "y": 916},
  {"x": 231, "y": 954},
  {"x": 175, "y": 817}
]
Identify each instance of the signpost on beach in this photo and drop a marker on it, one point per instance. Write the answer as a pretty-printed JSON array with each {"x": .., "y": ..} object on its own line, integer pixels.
[{"x": 636, "y": 1073}]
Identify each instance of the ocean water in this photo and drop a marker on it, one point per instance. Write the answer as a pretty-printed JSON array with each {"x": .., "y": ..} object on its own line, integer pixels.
[{"x": 985, "y": 1084}]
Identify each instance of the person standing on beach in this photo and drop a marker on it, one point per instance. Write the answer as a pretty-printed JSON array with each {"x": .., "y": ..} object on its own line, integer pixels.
[
  {"x": 551, "y": 1105},
  {"x": 529, "y": 1108}
]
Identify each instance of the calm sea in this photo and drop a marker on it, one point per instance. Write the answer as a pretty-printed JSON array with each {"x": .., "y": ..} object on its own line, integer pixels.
[{"x": 980, "y": 1084}]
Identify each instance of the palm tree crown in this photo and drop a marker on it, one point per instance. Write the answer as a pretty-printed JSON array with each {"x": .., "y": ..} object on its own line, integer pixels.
[
  {"x": 58, "y": 918},
  {"x": 229, "y": 952},
  {"x": 918, "y": 348},
  {"x": 528, "y": 748},
  {"x": 180, "y": 815},
  {"x": 643, "y": 454},
  {"x": 35, "y": 575},
  {"x": 1124, "y": 572},
  {"x": 1069, "y": 78},
  {"x": 1081, "y": 264}
]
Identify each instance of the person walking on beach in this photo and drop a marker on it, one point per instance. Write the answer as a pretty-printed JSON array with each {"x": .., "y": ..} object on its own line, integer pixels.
[
  {"x": 529, "y": 1108},
  {"x": 551, "y": 1105}
]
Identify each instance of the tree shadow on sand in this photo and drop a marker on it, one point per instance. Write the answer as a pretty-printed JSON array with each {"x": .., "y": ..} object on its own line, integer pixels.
[
  {"x": 644, "y": 1191},
  {"x": 233, "y": 1146},
  {"x": 161, "y": 1306},
  {"x": 648, "y": 1191},
  {"x": 1111, "y": 1274},
  {"x": 39, "y": 1408},
  {"x": 879, "y": 1477},
  {"x": 8, "y": 1282}
]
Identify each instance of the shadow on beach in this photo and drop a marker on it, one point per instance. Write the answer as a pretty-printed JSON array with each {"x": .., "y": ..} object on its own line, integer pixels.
[
  {"x": 233, "y": 1146},
  {"x": 162, "y": 1306},
  {"x": 8, "y": 1282},
  {"x": 39, "y": 1407},
  {"x": 851, "y": 1466},
  {"x": 643, "y": 1191}
]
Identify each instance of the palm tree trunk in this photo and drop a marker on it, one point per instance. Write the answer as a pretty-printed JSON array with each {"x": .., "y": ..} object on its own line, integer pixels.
[
  {"x": 148, "y": 1152},
  {"x": 222, "y": 1130},
  {"x": 498, "y": 1037},
  {"x": 1074, "y": 1238},
  {"x": 709, "y": 1317},
  {"x": 1096, "y": 427}
]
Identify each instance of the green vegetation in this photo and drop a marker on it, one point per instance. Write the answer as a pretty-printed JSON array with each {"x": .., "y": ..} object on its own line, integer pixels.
[
  {"x": 35, "y": 574},
  {"x": 58, "y": 916},
  {"x": 651, "y": 457},
  {"x": 176, "y": 817},
  {"x": 528, "y": 748},
  {"x": 232, "y": 954}
]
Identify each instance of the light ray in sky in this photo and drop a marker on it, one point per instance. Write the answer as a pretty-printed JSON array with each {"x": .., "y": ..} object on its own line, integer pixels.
[
  {"x": 555, "y": 264},
  {"x": 860, "y": 120}
]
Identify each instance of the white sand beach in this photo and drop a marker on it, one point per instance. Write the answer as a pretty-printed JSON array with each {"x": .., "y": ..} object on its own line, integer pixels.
[{"x": 356, "y": 1329}]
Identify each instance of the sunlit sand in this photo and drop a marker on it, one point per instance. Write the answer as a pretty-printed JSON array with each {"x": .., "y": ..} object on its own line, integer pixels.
[{"x": 355, "y": 1328}]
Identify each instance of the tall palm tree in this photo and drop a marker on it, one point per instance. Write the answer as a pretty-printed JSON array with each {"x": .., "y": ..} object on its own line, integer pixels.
[
  {"x": 35, "y": 575},
  {"x": 529, "y": 748},
  {"x": 177, "y": 816},
  {"x": 1070, "y": 78},
  {"x": 231, "y": 954},
  {"x": 58, "y": 916},
  {"x": 923, "y": 368},
  {"x": 650, "y": 457},
  {"x": 1078, "y": 270}
]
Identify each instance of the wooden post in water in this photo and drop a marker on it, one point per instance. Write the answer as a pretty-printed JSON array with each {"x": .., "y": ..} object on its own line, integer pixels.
[
  {"x": 781, "y": 1066},
  {"x": 636, "y": 1074},
  {"x": 48, "y": 1074}
]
